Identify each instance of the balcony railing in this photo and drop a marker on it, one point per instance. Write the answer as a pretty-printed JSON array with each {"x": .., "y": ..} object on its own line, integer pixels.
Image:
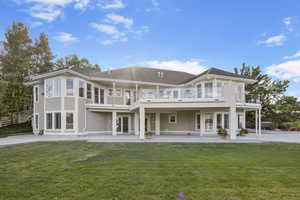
[{"x": 182, "y": 94}]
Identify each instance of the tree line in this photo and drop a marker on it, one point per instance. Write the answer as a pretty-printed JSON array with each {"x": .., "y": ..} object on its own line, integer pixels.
[{"x": 22, "y": 57}]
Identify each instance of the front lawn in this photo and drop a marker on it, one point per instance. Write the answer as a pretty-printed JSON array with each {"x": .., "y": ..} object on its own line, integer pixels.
[
  {"x": 16, "y": 129},
  {"x": 80, "y": 170}
]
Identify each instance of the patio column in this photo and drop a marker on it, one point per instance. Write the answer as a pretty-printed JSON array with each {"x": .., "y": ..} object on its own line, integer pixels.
[
  {"x": 256, "y": 125},
  {"x": 114, "y": 123},
  {"x": 136, "y": 123},
  {"x": 259, "y": 121},
  {"x": 137, "y": 92},
  {"x": 157, "y": 123},
  {"x": 233, "y": 122},
  {"x": 142, "y": 122},
  {"x": 114, "y": 93}
]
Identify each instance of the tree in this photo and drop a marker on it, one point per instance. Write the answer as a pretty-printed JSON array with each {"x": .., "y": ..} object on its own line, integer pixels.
[
  {"x": 15, "y": 59},
  {"x": 42, "y": 55},
  {"x": 268, "y": 91},
  {"x": 75, "y": 61}
]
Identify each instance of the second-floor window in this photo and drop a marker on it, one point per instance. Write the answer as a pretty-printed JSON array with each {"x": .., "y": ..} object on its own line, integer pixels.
[
  {"x": 36, "y": 94},
  {"x": 96, "y": 93},
  {"x": 101, "y": 95},
  {"x": 81, "y": 88},
  {"x": 88, "y": 91},
  {"x": 70, "y": 86},
  {"x": 199, "y": 90},
  {"x": 53, "y": 88},
  {"x": 208, "y": 89}
]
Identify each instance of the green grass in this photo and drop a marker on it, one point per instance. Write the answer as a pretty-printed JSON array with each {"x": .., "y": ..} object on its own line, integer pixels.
[
  {"x": 79, "y": 170},
  {"x": 16, "y": 129}
]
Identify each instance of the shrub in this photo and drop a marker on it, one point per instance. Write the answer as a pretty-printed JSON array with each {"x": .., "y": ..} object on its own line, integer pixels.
[{"x": 222, "y": 132}]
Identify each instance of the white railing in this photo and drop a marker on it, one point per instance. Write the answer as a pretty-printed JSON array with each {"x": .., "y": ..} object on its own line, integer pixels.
[{"x": 180, "y": 94}]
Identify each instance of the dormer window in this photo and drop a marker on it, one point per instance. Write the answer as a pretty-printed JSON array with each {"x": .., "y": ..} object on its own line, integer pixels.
[{"x": 160, "y": 75}]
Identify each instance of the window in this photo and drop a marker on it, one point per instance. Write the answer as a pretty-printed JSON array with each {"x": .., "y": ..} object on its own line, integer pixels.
[
  {"x": 220, "y": 91},
  {"x": 198, "y": 121},
  {"x": 70, "y": 86},
  {"x": 57, "y": 120},
  {"x": 81, "y": 88},
  {"x": 199, "y": 91},
  {"x": 219, "y": 120},
  {"x": 57, "y": 87},
  {"x": 88, "y": 91},
  {"x": 118, "y": 92},
  {"x": 69, "y": 121},
  {"x": 36, "y": 121},
  {"x": 240, "y": 121},
  {"x": 172, "y": 119},
  {"x": 96, "y": 94},
  {"x": 240, "y": 92},
  {"x": 49, "y": 88},
  {"x": 36, "y": 94},
  {"x": 209, "y": 121},
  {"x": 49, "y": 120},
  {"x": 226, "y": 121},
  {"x": 101, "y": 96},
  {"x": 208, "y": 89}
]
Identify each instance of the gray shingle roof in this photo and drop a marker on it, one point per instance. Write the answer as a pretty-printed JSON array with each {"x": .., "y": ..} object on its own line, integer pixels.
[{"x": 147, "y": 74}]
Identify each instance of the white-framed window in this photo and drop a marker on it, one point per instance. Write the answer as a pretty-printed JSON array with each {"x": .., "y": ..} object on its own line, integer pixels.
[
  {"x": 219, "y": 89},
  {"x": 118, "y": 92},
  {"x": 99, "y": 95},
  {"x": 240, "y": 91},
  {"x": 199, "y": 90},
  {"x": 36, "y": 121},
  {"x": 57, "y": 87},
  {"x": 57, "y": 120},
  {"x": 226, "y": 121},
  {"x": 172, "y": 118},
  {"x": 49, "y": 88},
  {"x": 69, "y": 87},
  {"x": 208, "y": 86},
  {"x": 222, "y": 120},
  {"x": 102, "y": 95},
  {"x": 81, "y": 88},
  {"x": 69, "y": 120},
  {"x": 88, "y": 90},
  {"x": 49, "y": 121},
  {"x": 36, "y": 94},
  {"x": 219, "y": 120},
  {"x": 198, "y": 121},
  {"x": 209, "y": 121},
  {"x": 96, "y": 95}
]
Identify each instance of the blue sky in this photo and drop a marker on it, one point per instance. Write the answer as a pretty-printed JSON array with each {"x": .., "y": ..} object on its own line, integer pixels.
[{"x": 189, "y": 35}]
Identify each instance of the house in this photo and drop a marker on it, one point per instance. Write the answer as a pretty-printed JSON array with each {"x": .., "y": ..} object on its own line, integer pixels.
[{"x": 136, "y": 100}]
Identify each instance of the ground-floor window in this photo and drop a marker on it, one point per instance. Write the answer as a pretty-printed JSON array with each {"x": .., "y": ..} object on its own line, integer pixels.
[
  {"x": 69, "y": 120},
  {"x": 49, "y": 120},
  {"x": 36, "y": 121},
  {"x": 57, "y": 120},
  {"x": 219, "y": 120},
  {"x": 226, "y": 121},
  {"x": 209, "y": 121},
  {"x": 172, "y": 119},
  {"x": 198, "y": 121}
]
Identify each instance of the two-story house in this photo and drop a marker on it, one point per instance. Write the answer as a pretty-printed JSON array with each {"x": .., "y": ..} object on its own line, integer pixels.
[{"x": 136, "y": 100}]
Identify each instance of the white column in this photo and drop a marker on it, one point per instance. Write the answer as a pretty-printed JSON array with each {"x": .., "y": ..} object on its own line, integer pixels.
[
  {"x": 259, "y": 122},
  {"x": 244, "y": 119},
  {"x": 157, "y": 91},
  {"x": 202, "y": 124},
  {"x": 137, "y": 92},
  {"x": 142, "y": 122},
  {"x": 256, "y": 125},
  {"x": 114, "y": 123},
  {"x": 233, "y": 122},
  {"x": 136, "y": 123},
  {"x": 157, "y": 123},
  {"x": 114, "y": 93}
]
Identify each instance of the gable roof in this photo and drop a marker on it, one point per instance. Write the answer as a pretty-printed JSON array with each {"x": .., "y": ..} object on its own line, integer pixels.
[{"x": 144, "y": 74}]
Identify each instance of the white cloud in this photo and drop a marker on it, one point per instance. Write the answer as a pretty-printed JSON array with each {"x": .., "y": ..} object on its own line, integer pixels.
[
  {"x": 296, "y": 55},
  {"x": 36, "y": 24},
  {"x": 114, "y": 4},
  {"x": 116, "y": 35},
  {"x": 190, "y": 66},
  {"x": 286, "y": 70},
  {"x": 154, "y": 6},
  {"x": 118, "y": 19},
  {"x": 65, "y": 37},
  {"x": 47, "y": 13},
  {"x": 288, "y": 23},
  {"x": 81, "y": 4},
  {"x": 276, "y": 40},
  {"x": 50, "y": 2}
]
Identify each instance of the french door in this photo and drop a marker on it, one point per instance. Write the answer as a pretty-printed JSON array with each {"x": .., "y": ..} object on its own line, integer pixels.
[{"x": 123, "y": 124}]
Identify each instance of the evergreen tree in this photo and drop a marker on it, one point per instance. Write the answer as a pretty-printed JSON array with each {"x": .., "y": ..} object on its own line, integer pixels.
[
  {"x": 16, "y": 60},
  {"x": 75, "y": 61},
  {"x": 42, "y": 55}
]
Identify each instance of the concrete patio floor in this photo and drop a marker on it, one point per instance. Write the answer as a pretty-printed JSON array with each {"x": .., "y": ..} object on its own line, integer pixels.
[{"x": 251, "y": 138}]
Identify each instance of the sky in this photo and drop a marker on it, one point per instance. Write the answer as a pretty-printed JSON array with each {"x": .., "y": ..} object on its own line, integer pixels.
[{"x": 189, "y": 35}]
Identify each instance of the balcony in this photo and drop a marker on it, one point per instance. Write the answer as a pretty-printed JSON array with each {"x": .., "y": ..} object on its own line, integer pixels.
[{"x": 181, "y": 95}]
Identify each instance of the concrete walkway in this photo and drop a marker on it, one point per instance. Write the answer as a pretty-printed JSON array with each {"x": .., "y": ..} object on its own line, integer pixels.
[{"x": 251, "y": 138}]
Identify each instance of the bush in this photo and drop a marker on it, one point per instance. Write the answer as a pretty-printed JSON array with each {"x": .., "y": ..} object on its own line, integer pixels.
[{"x": 222, "y": 132}]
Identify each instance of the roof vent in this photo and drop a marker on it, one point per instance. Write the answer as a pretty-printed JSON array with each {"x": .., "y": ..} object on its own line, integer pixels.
[{"x": 160, "y": 75}]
